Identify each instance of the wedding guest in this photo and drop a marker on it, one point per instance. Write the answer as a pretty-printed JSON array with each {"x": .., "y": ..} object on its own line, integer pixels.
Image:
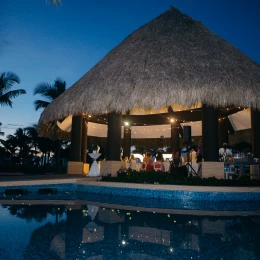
[
  {"x": 159, "y": 157},
  {"x": 177, "y": 159},
  {"x": 200, "y": 152},
  {"x": 132, "y": 159},
  {"x": 148, "y": 160},
  {"x": 193, "y": 156},
  {"x": 224, "y": 152}
]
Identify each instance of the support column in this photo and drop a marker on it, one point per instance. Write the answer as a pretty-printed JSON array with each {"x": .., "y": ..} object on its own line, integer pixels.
[
  {"x": 223, "y": 126},
  {"x": 57, "y": 154},
  {"x": 84, "y": 144},
  {"x": 114, "y": 136},
  {"x": 210, "y": 133},
  {"x": 175, "y": 140},
  {"x": 76, "y": 139},
  {"x": 255, "y": 130},
  {"x": 127, "y": 141}
]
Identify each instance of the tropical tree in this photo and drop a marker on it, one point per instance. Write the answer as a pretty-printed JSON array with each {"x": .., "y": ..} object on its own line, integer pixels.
[
  {"x": 1, "y": 133},
  {"x": 7, "y": 80},
  {"x": 49, "y": 93},
  {"x": 10, "y": 145},
  {"x": 46, "y": 147},
  {"x": 22, "y": 141},
  {"x": 32, "y": 133}
]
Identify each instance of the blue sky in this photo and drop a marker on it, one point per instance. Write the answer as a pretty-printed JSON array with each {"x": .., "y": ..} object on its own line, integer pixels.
[{"x": 40, "y": 42}]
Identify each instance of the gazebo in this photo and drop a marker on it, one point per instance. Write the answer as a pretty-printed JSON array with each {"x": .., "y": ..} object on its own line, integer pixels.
[{"x": 172, "y": 66}]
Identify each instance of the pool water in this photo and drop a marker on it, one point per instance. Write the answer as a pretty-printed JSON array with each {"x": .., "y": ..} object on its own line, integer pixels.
[{"x": 94, "y": 231}]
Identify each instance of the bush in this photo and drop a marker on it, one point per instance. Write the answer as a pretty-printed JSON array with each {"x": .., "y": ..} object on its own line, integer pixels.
[{"x": 153, "y": 177}]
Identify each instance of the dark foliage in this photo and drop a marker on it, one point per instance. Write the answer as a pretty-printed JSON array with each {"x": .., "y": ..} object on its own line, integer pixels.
[{"x": 153, "y": 177}]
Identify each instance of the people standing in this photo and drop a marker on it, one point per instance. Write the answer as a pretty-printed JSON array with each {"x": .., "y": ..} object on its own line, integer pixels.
[
  {"x": 200, "y": 152},
  {"x": 193, "y": 156},
  {"x": 177, "y": 159},
  {"x": 224, "y": 152},
  {"x": 132, "y": 159}
]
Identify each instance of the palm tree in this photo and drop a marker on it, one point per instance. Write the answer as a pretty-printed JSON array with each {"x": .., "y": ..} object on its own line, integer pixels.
[
  {"x": 32, "y": 133},
  {"x": 9, "y": 145},
  {"x": 46, "y": 147},
  {"x": 50, "y": 92},
  {"x": 7, "y": 80},
  {"x": 22, "y": 141},
  {"x": 1, "y": 133}
]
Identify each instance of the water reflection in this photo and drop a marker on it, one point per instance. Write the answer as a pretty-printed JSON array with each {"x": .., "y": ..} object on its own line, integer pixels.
[{"x": 93, "y": 232}]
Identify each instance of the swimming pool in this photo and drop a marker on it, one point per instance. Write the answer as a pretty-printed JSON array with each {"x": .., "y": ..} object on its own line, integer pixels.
[
  {"x": 101, "y": 231},
  {"x": 97, "y": 221}
]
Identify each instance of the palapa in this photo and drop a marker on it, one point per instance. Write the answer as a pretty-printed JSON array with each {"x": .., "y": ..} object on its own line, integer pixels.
[{"x": 173, "y": 59}]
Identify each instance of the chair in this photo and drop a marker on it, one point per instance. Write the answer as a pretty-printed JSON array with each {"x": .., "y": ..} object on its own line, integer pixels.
[
  {"x": 158, "y": 166},
  {"x": 229, "y": 171},
  {"x": 134, "y": 166},
  {"x": 146, "y": 167},
  {"x": 143, "y": 166},
  {"x": 255, "y": 174}
]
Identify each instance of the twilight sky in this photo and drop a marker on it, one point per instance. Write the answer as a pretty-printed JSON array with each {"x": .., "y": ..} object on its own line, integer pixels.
[{"x": 40, "y": 42}]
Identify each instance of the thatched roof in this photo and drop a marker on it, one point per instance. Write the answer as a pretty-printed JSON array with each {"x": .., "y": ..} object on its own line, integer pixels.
[
  {"x": 52, "y": 131},
  {"x": 172, "y": 59}
]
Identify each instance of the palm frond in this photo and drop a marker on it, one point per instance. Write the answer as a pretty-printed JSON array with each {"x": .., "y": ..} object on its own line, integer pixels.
[
  {"x": 48, "y": 91},
  {"x": 60, "y": 86},
  {"x": 5, "y": 102},
  {"x": 5, "y": 98},
  {"x": 40, "y": 104},
  {"x": 7, "y": 80},
  {"x": 42, "y": 88}
]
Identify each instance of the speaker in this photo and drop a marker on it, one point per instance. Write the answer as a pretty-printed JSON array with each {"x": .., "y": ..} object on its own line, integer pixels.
[{"x": 187, "y": 133}]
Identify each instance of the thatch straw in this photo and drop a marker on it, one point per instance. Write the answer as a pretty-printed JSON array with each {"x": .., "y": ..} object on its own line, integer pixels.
[
  {"x": 172, "y": 59},
  {"x": 52, "y": 131}
]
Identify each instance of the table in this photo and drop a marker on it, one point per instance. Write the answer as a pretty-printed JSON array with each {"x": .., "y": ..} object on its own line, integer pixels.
[
  {"x": 166, "y": 166},
  {"x": 94, "y": 170}
]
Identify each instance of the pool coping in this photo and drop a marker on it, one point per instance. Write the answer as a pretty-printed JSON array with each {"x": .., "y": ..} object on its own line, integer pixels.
[
  {"x": 94, "y": 182},
  {"x": 134, "y": 194}
]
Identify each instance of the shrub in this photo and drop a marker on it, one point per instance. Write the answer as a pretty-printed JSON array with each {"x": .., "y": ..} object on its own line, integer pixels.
[{"x": 153, "y": 177}]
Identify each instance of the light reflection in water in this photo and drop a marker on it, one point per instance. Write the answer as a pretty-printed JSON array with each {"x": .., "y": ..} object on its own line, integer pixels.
[{"x": 94, "y": 232}]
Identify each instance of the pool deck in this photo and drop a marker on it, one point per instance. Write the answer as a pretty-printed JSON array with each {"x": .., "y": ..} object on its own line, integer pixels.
[{"x": 94, "y": 181}]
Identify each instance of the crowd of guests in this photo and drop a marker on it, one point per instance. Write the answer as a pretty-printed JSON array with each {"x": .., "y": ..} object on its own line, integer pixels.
[{"x": 192, "y": 156}]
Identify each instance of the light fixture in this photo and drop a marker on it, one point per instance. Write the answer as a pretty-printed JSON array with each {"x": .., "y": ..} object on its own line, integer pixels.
[
  {"x": 126, "y": 123},
  {"x": 172, "y": 120}
]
